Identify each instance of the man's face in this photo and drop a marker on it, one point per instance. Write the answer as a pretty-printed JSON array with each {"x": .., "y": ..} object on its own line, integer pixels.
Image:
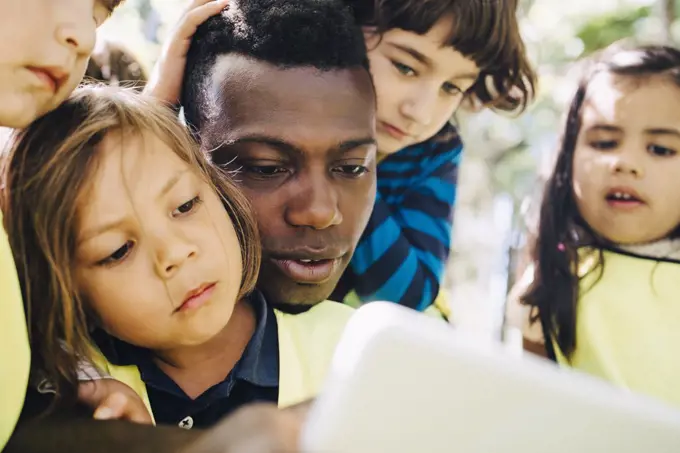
[
  {"x": 44, "y": 49},
  {"x": 304, "y": 141}
]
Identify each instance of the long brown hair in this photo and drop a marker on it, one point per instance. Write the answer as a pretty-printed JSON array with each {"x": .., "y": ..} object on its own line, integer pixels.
[
  {"x": 553, "y": 295},
  {"x": 485, "y": 31},
  {"x": 46, "y": 175}
]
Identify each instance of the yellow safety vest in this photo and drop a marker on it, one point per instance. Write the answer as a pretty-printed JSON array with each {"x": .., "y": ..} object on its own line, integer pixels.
[
  {"x": 306, "y": 345},
  {"x": 628, "y": 324},
  {"x": 14, "y": 350}
]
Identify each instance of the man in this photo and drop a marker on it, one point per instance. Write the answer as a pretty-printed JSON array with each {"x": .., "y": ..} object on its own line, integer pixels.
[
  {"x": 290, "y": 103},
  {"x": 280, "y": 90},
  {"x": 44, "y": 49}
]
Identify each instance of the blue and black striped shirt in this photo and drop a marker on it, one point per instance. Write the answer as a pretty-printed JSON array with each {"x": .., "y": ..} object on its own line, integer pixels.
[{"x": 402, "y": 254}]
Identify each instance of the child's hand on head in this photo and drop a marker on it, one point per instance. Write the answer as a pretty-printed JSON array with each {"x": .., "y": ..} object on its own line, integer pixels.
[
  {"x": 168, "y": 74},
  {"x": 112, "y": 400}
]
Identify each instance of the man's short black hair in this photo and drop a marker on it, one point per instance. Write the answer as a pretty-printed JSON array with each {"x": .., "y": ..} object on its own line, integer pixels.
[{"x": 286, "y": 33}]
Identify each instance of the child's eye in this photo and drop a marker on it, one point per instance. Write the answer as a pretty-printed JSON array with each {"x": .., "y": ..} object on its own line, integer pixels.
[
  {"x": 187, "y": 207},
  {"x": 404, "y": 69},
  {"x": 452, "y": 89},
  {"x": 119, "y": 255},
  {"x": 662, "y": 151},
  {"x": 604, "y": 144}
]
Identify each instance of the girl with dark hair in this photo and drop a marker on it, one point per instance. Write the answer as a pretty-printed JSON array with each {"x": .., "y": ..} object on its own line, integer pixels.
[{"x": 606, "y": 261}]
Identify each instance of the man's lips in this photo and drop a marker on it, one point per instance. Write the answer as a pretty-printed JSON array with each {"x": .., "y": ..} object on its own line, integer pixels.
[
  {"x": 307, "y": 271},
  {"x": 306, "y": 265}
]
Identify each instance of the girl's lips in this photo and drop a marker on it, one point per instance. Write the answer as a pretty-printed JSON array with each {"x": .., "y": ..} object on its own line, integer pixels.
[{"x": 198, "y": 297}]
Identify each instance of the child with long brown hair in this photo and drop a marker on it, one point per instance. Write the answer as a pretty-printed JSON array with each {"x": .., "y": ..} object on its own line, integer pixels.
[
  {"x": 125, "y": 235},
  {"x": 82, "y": 185},
  {"x": 606, "y": 260}
]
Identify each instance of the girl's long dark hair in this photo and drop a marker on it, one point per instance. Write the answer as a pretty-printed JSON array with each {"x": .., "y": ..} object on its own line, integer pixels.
[{"x": 553, "y": 295}]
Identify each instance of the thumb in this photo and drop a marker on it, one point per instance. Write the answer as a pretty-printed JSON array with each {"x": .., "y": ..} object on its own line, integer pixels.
[{"x": 120, "y": 406}]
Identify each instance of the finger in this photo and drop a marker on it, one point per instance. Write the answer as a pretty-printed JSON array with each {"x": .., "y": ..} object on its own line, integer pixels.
[
  {"x": 112, "y": 408},
  {"x": 194, "y": 18},
  {"x": 119, "y": 406},
  {"x": 137, "y": 413},
  {"x": 89, "y": 394},
  {"x": 193, "y": 4}
]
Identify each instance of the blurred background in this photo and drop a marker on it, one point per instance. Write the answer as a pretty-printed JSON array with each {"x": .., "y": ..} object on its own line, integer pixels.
[{"x": 506, "y": 157}]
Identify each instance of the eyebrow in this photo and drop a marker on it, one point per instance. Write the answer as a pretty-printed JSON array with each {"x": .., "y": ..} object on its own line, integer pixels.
[
  {"x": 663, "y": 131},
  {"x": 289, "y": 148},
  {"x": 100, "y": 229},
  {"x": 649, "y": 131},
  {"x": 604, "y": 128},
  {"x": 422, "y": 58}
]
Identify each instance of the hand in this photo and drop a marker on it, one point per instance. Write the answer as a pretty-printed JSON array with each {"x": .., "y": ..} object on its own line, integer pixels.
[
  {"x": 112, "y": 400},
  {"x": 167, "y": 76},
  {"x": 257, "y": 428}
]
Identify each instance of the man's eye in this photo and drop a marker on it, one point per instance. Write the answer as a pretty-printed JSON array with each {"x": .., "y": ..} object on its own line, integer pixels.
[
  {"x": 351, "y": 170},
  {"x": 264, "y": 170}
]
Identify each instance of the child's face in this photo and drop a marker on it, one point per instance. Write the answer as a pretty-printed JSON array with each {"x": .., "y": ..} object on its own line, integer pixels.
[
  {"x": 419, "y": 84},
  {"x": 151, "y": 235},
  {"x": 626, "y": 177},
  {"x": 44, "y": 49}
]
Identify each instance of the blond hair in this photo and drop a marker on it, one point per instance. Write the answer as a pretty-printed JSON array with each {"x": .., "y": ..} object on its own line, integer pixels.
[{"x": 46, "y": 175}]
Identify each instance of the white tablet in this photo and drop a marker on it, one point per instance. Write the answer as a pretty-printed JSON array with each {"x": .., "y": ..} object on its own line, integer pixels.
[{"x": 402, "y": 382}]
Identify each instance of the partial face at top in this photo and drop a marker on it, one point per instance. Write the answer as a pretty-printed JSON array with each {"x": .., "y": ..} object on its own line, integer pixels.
[
  {"x": 419, "y": 81},
  {"x": 44, "y": 50},
  {"x": 305, "y": 143}
]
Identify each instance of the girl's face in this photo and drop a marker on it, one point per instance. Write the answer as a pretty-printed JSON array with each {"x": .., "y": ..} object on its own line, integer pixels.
[
  {"x": 419, "y": 84},
  {"x": 626, "y": 165},
  {"x": 157, "y": 257},
  {"x": 44, "y": 49}
]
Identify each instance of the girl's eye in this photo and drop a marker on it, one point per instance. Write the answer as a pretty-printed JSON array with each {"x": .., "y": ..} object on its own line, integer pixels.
[
  {"x": 119, "y": 255},
  {"x": 604, "y": 144},
  {"x": 187, "y": 207},
  {"x": 661, "y": 151}
]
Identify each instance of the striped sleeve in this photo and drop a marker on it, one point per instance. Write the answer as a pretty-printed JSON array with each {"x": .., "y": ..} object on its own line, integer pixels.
[{"x": 402, "y": 254}]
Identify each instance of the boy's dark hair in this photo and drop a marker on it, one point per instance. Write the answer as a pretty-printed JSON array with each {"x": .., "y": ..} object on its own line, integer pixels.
[
  {"x": 287, "y": 33},
  {"x": 554, "y": 292},
  {"x": 485, "y": 31}
]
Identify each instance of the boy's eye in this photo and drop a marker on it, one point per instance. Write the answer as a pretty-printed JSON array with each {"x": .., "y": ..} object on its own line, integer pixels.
[
  {"x": 450, "y": 88},
  {"x": 404, "y": 69}
]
